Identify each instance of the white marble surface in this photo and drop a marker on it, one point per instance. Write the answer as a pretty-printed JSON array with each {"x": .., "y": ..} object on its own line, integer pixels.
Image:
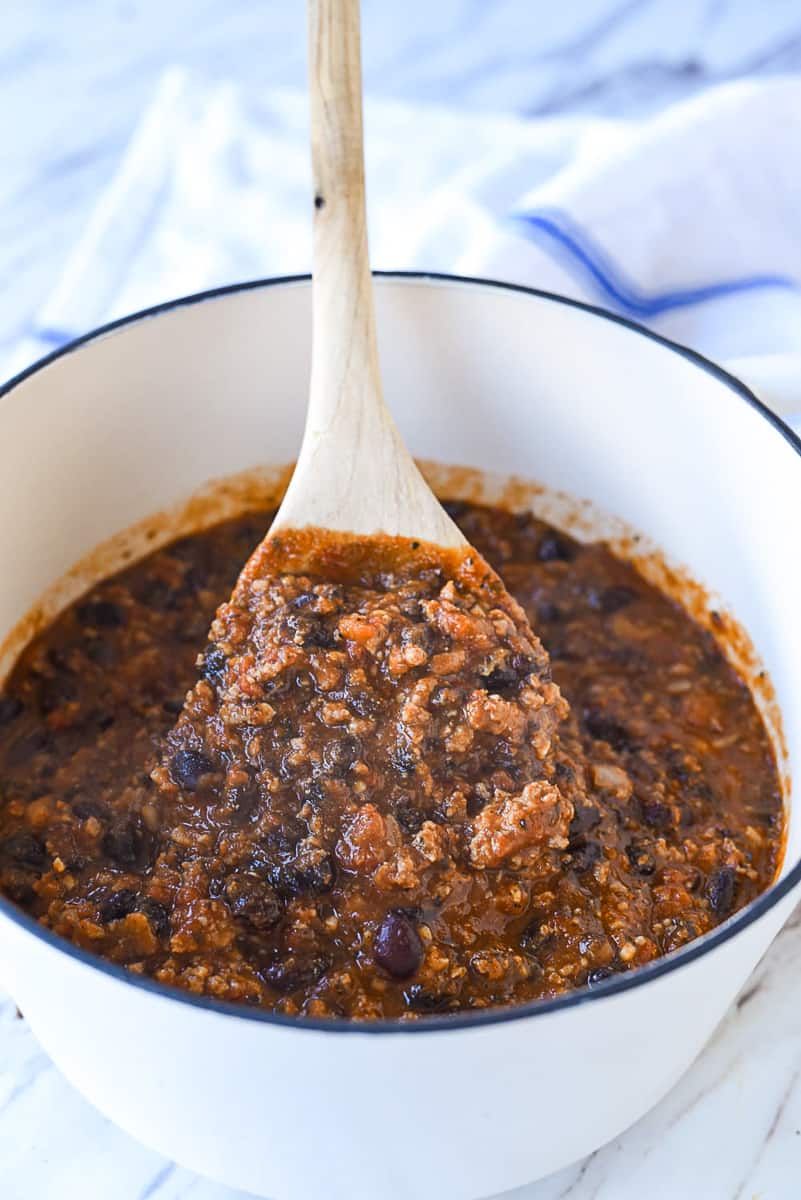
[
  {"x": 73, "y": 80},
  {"x": 74, "y": 77}
]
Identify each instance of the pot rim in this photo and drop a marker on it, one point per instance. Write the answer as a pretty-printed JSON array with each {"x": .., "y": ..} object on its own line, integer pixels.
[{"x": 433, "y": 1022}]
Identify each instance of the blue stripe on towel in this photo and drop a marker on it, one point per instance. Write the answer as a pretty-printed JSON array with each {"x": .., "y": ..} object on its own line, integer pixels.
[
  {"x": 52, "y": 336},
  {"x": 581, "y": 251}
]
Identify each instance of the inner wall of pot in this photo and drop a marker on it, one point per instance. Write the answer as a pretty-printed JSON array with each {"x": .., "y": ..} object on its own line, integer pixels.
[{"x": 134, "y": 422}]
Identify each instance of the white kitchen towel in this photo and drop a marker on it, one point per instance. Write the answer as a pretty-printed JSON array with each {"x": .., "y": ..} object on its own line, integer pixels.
[{"x": 689, "y": 222}]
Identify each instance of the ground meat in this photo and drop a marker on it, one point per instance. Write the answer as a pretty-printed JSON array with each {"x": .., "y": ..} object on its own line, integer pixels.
[
  {"x": 510, "y": 827},
  {"x": 281, "y": 845}
]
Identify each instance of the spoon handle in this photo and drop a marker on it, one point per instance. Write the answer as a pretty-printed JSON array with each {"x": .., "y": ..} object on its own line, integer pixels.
[
  {"x": 354, "y": 473},
  {"x": 345, "y": 358}
]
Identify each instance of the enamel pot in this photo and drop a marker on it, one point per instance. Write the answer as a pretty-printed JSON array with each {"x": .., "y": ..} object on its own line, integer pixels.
[{"x": 135, "y": 417}]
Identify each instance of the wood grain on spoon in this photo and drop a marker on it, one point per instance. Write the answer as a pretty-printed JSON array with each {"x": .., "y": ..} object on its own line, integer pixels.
[{"x": 354, "y": 474}]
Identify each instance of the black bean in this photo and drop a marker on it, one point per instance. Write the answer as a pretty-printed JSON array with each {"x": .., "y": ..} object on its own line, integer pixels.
[
  {"x": 244, "y": 800},
  {"x": 421, "y": 635},
  {"x": 126, "y": 843},
  {"x": 183, "y": 548},
  {"x": 25, "y": 849},
  {"x": 212, "y": 664},
  {"x": 121, "y": 847},
  {"x": 692, "y": 880},
  {"x": 505, "y": 756},
  {"x": 157, "y": 594},
  {"x": 100, "y": 614},
  {"x": 604, "y": 729},
  {"x": 640, "y": 858},
  {"x": 548, "y": 613},
  {"x": 216, "y": 886},
  {"x": 412, "y": 911},
  {"x": 397, "y": 946},
  {"x": 29, "y": 744},
  {"x": 656, "y": 814},
  {"x": 500, "y": 680},
  {"x": 678, "y": 932},
  {"x": 364, "y": 704},
  {"x": 478, "y": 798},
  {"x": 432, "y": 577},
  {"x": 340, "y": 755},
  {"x": 10, "y": 709},
  {"x": 73, "y": 860},
  {"x": 58, "y": 660},
  {"x": 701, "y": 790},
  {"x": 309, "y": 629},
  {"x": 560, "y": 650},
  {"x": 289, "y": 880},
  {"x": 17, "y": 885},
  {"x": 421, "y": 1000},
  {"x": 54, "y": 692},
  {"x": 403, "y": 761},
  {"x": 611, "y": 599},
  {"x": 118, "y": 905},
  {"x": 157, "y": 915},
  {"x": 554, "y": 547},
  {"x": 283, "y": 727},
  {"x": 101, "y": 652},
  {"x": 585, "y": 819},
  {"x": 411, "y": 608},
  {"x": 86, "y": 808},
  {"x": 287, "y": 767},
  {"x": 192, "y": 580},
  {"x": 311, "y": 791},
  {"x": 173, "y": 706},
  {"x": 600, "y": 974},
  {"x": 584, "y": 856},
  {"x": 262, "y": 858},
  {"x": 440, "y": 813},
  {"x": 456, "y": 509},
  {"x": 720, "y": 890},
  {"x": 254, "y": 901},
  {"x": 188, "y": 768},
  {"x": 533, "y": 941},
  {"x": 294, "y": 971},
  {"x": 268, "y": 858},
  {"x": 334, "y": 592},
  {"x": 408, "y": 815},
  {"x": 677, "y": 767},
  {"x": 320, "y": 877},
  {"x": 525, "y": 665}
]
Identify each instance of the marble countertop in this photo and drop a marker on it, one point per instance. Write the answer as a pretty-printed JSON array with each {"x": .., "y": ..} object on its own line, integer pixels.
[{"x": 73, "y": 82}]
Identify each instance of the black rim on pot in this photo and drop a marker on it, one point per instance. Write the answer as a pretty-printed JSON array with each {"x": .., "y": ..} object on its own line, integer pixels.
[{"x": 443, "y": 1021}]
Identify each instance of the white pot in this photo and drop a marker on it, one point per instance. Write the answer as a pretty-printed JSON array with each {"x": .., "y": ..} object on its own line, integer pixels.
[{"x": 129, "y": 421}]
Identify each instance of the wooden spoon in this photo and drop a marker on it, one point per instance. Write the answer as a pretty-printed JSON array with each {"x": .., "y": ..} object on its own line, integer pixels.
[{"x": 354, "y": 474}]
